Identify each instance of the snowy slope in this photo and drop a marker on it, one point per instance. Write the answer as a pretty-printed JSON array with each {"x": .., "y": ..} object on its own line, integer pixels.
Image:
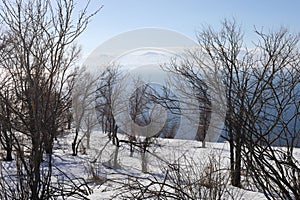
[
  {"x": 93, "y": 164},
  {"x": 168, "y": 150}
]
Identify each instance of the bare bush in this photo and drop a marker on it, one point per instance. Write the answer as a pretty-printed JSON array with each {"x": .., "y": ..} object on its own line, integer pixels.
[
  {"x": 95, "y": 173},
  {"x": 183, "y": 179}
]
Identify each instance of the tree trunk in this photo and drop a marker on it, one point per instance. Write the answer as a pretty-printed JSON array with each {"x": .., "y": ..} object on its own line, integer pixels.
[
  {"x": 8, "y": 154},
  {"x": 144, "y": 156},
  {"x": 231, "y": 146},
  {"x": 74, "y": 144},
  {"x": 237, "y": 169},
  {"x": 8, "y": 145},
  {"x": 69, "y": 122},
  {"x": 144, "y": 162},
  {"x": 132, "y": 139},
  {"x": 35, "y": 164},
  {"x": 88, "y": 138},
  {"x": 115, "y": 162},
  {"x": 49, "y": 143}
]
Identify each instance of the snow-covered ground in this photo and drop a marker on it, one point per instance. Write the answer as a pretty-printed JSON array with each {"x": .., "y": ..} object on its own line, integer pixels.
[
  {"x": 97, "y": 159},
  {"x": 94, "y": 164}
]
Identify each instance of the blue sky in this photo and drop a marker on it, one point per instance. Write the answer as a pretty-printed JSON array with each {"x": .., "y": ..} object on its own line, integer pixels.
[{"x": 186, "y": 17}]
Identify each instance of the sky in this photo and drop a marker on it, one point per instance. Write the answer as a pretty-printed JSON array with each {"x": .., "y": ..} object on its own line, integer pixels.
[{"x": 186, "y": 17}]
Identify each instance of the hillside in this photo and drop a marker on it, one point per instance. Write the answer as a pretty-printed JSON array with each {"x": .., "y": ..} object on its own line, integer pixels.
[{"x": 94, "y": 165}]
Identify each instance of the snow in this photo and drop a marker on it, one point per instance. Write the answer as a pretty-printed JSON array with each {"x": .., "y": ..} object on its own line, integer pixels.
[
  {"x": 166, "y": 149},
  {"x": 107, "y": 180}
]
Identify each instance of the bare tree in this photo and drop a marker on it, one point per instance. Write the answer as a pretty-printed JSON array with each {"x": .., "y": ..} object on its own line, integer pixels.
[
  {"x": 111, "y": 104},
  {"x": 108, "y": 91},
  {"x": 189, "y": 82},
  {"x": 141, "y": 116},
  {"x": 272, "y": 117},
  {"x": 262, "y": 93},
  {"x": 224, "y": 51},
  {"x": 6, "y": 117},
  {"x": 83, "y": 101},
  {"x": 40, "y": 55},
  {"x": 5, "y": 113},
  {"x": 219, "y": 53},
  {"x": 90, "y": 123}
]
